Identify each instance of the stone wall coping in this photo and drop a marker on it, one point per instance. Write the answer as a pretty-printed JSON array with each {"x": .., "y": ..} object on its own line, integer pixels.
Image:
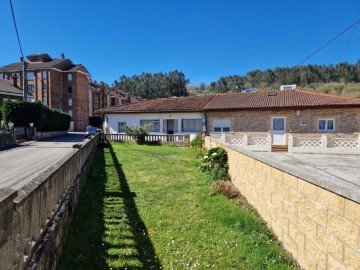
[
  {"x": 36, "y": 183},
  {"x": 304, "y": 171},
  {"x": 7, "y": 195}
]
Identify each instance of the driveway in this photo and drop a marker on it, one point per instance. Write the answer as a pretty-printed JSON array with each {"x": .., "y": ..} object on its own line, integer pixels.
[{"x": 21, "y": 164}]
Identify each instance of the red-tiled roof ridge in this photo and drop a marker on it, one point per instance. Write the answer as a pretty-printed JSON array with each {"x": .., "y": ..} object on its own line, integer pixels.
[
  {"x": 325, "y": 94},
  {"x": 170, "y": 104}
]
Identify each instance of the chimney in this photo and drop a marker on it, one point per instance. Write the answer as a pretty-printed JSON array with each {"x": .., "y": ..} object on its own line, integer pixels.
[
  {"x": 22, "y": 59},
  {"x": 14, "y": 79},
  {"x": 62, "y": 56}
]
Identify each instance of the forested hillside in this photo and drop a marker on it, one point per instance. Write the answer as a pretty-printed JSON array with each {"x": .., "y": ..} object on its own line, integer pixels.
[
  {"x": 153, "y": 85},
  {"x": 340, "y": 79}
]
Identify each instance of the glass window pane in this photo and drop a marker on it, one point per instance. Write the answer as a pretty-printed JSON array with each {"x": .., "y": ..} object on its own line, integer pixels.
[
  {"x": 30, "y": 76},
  {"x": 217, "y": 129},
  {"x": 278, "y": 124},
  {"x": 330, "y": 125},
  {"x": 322, "y": 124},
  {"x": 226, "y": 129}
]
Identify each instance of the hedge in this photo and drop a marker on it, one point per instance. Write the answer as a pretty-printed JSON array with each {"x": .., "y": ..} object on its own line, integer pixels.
[{"x": 22, "y": 113}]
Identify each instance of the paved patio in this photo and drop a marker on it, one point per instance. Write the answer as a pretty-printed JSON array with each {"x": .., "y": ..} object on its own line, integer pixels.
[{"x": 334, "y": 172}]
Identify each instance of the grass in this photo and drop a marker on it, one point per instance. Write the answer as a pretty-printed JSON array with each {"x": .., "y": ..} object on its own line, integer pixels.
[{"x": 148, "y": 207}]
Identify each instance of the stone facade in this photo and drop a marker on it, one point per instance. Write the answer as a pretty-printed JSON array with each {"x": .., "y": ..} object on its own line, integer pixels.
[
  {"x": 320, "y": 228},
  {"x": 347, "y": 120}
]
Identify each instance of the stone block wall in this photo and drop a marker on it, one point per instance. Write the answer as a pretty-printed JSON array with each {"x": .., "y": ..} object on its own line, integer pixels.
[
  {"x": 34, "y": 219},
  {"x": 347, "y": 120},
  {"x": 7, "y": 139},
  {"x": 319, "y": 228}
]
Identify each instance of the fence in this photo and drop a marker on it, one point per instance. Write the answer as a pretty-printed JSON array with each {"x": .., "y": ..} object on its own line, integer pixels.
[
  {"x": 256, "y": 141},
  {"x": 324, "y": 143},
  {"x": 336, "y": 143},
  {"x": 183, "y": 140}
]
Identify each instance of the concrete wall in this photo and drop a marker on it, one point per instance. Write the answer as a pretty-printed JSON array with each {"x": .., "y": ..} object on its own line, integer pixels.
[
  {"x": 50, "y": 134},
  {"x": 7, "y": 139},
  {"x": 320, "y": 228},
  {"x": 33, "y": 219}
]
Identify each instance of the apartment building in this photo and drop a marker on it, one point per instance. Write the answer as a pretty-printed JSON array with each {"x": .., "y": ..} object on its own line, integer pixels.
[{"x": 57, "y": 83}]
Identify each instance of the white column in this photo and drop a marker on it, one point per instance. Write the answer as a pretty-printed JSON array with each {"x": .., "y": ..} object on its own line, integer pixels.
[
  {"x": 324, "y": 141},
  {"x": 290, "y": 142}
]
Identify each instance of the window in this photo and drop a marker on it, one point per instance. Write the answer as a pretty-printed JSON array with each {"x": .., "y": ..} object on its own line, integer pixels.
[
  {"x": 112, "y": 101},
  {"x": 70, "y": 113},
  {"x": 326, "y": 125},
  {"x": 155, "y": 124},
  {"x": 121, "y": 126},
  {"x": 191, "y": 125},
  {"x": 44, "y": 74},
  {"x": 223, "y": 125},
  {"x": 69, "y": 77},
  {"x": 70, "y": 102},
  {"x": 69, "y": 90},
  {"x": 44, "y": 87},
  {"x": 1, "y": 76},
  {"x": 30, "y": 76},
  {"x": 44, "y": 100},
  {"x": 30, "y": 88}
]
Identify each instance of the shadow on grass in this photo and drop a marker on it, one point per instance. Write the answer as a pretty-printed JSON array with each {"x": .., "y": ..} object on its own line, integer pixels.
[
  {"x": 145, "y": 251},
  {"x": 106, "y": 231},
  {"x": 83, "y": 248}
]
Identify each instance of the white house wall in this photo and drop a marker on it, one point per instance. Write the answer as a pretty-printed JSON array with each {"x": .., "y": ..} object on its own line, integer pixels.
[{"x": 133, "y": 119}]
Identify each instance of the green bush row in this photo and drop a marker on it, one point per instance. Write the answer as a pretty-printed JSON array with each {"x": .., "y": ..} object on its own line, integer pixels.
[{"x": 22, "y": 113}]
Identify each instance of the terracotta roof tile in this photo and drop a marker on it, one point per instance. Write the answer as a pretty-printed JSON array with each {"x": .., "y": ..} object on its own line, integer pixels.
[
  {"x": 163, "y": 105},
  {"x": 278, "y": 99},
  {"x": 238, "y": 101}
]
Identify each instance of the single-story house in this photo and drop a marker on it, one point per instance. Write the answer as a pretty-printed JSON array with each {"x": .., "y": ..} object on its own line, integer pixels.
[
  {"x": 278, "y": 112},
  {"x": 8, "y": 90},
  {"x": 165, "y": 115}
]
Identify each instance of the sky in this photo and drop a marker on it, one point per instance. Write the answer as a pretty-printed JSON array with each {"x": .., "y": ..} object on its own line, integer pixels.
[{"x": 205, "y": 39}]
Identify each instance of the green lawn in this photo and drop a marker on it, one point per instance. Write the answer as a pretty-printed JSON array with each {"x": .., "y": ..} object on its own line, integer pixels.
[{"x": 148, "y": 207}]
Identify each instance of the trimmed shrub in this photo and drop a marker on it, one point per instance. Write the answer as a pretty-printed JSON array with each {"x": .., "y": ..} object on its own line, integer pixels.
[{"x": 22, "y": 113}]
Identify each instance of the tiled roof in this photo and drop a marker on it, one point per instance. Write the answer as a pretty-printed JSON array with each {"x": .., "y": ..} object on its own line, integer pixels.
[
  {"x": 174, "y": 104},
  {"x": 7, "y": 89},
  {"x": 238, "y": 101},
  {"x": 278, "y": 99},
  {"x": 61, "y": 64}
]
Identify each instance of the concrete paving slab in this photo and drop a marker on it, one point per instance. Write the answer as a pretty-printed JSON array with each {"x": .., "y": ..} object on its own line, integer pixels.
[{"x": 334, "y": 172}]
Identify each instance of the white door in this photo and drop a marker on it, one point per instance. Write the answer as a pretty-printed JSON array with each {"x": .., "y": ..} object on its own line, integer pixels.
[{"x": 278, "y": 130}]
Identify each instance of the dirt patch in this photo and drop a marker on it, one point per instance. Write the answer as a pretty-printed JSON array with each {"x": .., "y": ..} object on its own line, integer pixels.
[{"x": 229, "y": 190}]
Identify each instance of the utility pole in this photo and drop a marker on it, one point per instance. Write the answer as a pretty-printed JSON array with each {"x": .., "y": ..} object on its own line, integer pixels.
[{"x": 24, "y": 81}]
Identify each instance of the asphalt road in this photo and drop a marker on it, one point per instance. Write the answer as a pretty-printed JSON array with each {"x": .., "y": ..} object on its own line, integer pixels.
[{"x": 21, "y": 164}]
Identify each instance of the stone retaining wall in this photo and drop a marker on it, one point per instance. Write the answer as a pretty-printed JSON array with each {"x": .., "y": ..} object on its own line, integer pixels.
[
  {"x": 33, "y": 219},
  {"x": 319, "y": 228},
  {"x": 6, "y": 139}
]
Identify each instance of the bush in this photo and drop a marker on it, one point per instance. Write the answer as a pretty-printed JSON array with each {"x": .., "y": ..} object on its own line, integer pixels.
[
  {"x": 198, "y": 141},
  {"x": 22, "y": 113},
  {"x": 215, "y": 162},
  {"x": 138, "y": 132}
]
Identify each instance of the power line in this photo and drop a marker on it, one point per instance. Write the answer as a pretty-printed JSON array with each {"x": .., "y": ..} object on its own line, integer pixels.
[
  {"x": 16, "y": 29},
  {"x": 347, "y": 43},
  {"x": 331, "y": 40}
]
